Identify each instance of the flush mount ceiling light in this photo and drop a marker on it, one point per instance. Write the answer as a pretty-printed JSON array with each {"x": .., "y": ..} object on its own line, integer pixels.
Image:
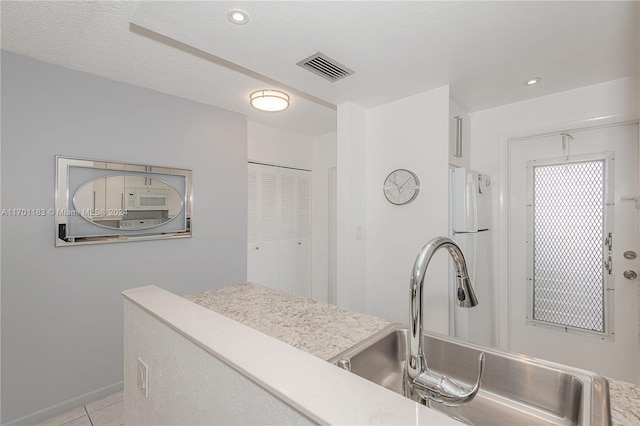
[
  {"x": 269, "y": 100},
  {"x": 532, "y": 81},
  {"x": 238, "y": 17}
]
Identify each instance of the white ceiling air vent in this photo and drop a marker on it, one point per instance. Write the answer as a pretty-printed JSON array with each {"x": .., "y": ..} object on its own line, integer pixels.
[{"x": 325, "y": 67}]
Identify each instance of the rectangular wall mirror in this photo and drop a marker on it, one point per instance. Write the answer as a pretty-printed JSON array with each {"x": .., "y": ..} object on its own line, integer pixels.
[{"x": 108, "y": 202}]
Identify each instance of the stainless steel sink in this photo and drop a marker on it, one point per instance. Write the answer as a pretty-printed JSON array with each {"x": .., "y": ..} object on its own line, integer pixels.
[{"x": 516, "y": 389}]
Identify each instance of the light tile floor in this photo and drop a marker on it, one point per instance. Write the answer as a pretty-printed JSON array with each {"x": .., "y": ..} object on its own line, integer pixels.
[{"x": 107, "y": 411}]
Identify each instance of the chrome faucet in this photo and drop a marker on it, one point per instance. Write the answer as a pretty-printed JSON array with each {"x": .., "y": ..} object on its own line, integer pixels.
[{"x": 420, "y": 383}]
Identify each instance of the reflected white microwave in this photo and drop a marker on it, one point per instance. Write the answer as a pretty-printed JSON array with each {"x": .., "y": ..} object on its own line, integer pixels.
[{"x": 146, "y": 199}]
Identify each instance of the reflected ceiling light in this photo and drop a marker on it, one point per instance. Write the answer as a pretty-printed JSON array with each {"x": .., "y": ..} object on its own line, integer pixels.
[
  {"x": 532, "y": 81},
  {"x": 238, "y": 17},
  {"x": 269, "y": 100}
]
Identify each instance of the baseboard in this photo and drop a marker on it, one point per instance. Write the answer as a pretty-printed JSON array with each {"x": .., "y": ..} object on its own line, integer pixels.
[{"x": 68, "y": 405}]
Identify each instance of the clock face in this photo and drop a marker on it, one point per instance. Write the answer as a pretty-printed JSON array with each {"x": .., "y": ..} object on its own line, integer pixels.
[{"x": 401, "y": 186}]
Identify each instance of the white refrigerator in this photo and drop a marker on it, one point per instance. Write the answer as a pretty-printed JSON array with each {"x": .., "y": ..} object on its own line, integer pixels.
[{"x": 470, "y": 219}]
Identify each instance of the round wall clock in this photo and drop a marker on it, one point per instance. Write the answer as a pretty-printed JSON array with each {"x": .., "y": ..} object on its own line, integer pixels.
[{"x": 401, "y": 187}]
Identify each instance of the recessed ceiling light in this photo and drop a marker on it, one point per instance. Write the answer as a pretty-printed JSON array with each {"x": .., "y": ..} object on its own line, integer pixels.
[
  {"x": 269, "y": 100},
  {"x": 238, "y": 17},
  {"x": 532, "y": 81}
]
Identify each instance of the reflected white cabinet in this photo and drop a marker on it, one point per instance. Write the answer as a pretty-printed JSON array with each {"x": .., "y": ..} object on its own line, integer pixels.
[
  {"x": 133, "y": 181},
  {"x": 279, "y": 228},
  {"x": 108, "y": 196},
  {"x": 114, "y": 196},
  {"x": 99, "y": 197}
]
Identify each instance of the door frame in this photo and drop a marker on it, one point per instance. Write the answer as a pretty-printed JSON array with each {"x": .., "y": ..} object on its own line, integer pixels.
[{"x": 504, "y": 205}]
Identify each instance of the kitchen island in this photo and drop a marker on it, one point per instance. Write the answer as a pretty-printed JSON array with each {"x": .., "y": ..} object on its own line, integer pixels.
[
  {"x": 325, "y": 330},
  {"x": 187, "y": 364}
]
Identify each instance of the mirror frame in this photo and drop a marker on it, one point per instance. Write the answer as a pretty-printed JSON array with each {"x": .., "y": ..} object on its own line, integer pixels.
[{"x": 97, "y": 234}]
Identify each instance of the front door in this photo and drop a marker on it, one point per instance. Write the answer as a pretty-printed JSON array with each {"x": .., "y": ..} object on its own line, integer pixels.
[{"x": 573, "y": 235}]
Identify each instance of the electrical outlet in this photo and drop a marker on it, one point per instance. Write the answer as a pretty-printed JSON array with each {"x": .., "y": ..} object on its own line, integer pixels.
[{"x": 143, "y": 377}]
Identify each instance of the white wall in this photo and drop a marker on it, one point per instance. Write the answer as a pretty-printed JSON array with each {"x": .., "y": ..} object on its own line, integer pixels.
[
  {"x": 279, "y": 147},
  {"x": 608, "y": 102},
  {"x": 61, "y": 307},
  {"x": 411, "y": 133}
]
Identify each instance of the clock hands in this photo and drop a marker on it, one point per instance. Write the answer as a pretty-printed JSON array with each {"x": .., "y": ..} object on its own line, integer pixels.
[
  {"x": 393, "y": 181},
  {"x": 405, "y": 182},
  {"x": 399, "y": 187}
]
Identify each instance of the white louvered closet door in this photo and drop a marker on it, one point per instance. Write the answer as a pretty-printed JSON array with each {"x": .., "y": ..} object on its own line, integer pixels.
[
  {"x": 295, "y": 230},
  {"x": 262, "y": 226},
  {"x": 279, "y": 228}
]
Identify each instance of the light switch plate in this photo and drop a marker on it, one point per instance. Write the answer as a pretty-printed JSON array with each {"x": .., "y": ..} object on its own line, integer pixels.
[{"x": 143, "y": 377}]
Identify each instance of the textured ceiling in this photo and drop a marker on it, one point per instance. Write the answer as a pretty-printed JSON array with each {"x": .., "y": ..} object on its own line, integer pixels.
[{"x": 484, "y": 50}]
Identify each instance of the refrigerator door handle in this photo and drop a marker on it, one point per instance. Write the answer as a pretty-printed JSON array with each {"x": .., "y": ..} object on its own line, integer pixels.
[{"x": 472, "y": 207}]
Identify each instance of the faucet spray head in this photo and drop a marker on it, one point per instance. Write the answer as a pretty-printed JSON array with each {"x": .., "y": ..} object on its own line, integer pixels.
[{"x": 466, "y": 297}]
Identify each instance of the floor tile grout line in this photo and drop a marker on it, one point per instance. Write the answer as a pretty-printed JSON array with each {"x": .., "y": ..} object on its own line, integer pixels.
[
  {"x": 86, "y": 410},
  {"x": 88, "y": 416},
  {"x": 68, "y": 421},
  {"x": 113, "y": 403}
]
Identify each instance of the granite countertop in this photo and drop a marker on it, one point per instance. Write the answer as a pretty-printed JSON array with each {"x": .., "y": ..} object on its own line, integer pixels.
[
  {"x": 326, "y": 330},
  {"x": 625, "y": 403},
  {"x": 318, "y": 328}
]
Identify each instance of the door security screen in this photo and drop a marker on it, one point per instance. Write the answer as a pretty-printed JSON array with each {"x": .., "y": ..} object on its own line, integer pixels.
[{"x": 568, "y": 241}]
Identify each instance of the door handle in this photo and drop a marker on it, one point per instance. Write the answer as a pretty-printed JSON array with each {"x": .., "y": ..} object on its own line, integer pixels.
[
  {"x": 608, "y": 264},
  {"x": 458, "y": 145},
  {"x": 630, "y": 275},
  {"x": 608, "y": 245}
]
